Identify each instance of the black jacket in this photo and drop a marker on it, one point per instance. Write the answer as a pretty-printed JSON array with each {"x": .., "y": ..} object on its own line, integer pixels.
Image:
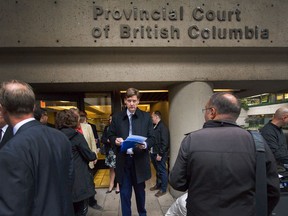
[
  {"x": 217, "y": 166},
  {"x": 104, "y": 140},
  {"x": 162, "y": 139},
  {"x": 83, "y": 186},
  {"x": 276, "y": 140},
  {"x": 141, "y": 125},
  {"x": 36, "y": 173}
]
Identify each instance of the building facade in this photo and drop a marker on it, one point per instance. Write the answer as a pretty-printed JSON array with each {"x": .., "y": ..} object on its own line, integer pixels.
[{"x": 189, "y": 48}]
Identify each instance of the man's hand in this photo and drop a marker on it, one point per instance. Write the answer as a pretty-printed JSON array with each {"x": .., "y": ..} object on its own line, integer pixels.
[
  {"x": 140, "y": 146},
  {"x": 158, "y": 158},
  {"x": 119, "y": 141}
]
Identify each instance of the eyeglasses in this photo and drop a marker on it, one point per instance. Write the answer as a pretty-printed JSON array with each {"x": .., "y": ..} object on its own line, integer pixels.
[{"x": 203, "y": 110}]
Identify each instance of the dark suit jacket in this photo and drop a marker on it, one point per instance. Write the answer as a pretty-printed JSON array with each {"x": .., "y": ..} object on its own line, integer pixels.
[
  {"x": 7, "y": 136},
  {"x": 141, "y": 125},
  {"x": 36, "y": 173},
  {"x": 162, "y": 139}
]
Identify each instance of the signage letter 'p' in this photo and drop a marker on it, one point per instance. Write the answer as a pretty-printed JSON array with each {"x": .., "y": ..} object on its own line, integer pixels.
[{"x": 97, "y": 11}]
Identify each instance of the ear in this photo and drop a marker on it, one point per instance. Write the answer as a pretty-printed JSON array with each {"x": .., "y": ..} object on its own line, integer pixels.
[{"x": 213, "y": 113}]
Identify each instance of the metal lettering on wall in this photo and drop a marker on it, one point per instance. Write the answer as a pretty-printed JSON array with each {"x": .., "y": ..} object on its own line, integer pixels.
[
  {"x": 168, "y": 16},
  {"x": 149, "y": 23}
]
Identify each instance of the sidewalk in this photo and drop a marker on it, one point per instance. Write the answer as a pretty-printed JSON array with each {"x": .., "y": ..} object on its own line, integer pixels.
[{"x": 111, "y": 202}]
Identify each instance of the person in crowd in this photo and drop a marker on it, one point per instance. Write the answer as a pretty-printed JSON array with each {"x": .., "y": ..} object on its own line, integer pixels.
[
  {"x": 6, "y": 131},
  {"x": 178, "y": 208},
  {"x": 110, "y": 159},
  {"x": 86, "y": 130},
  {"x": 159, "y": 154},
  {"x": 133, "y": 165},
  {"x": 36, "y": 166},
  {"x": 40, "y": 114},
  {"x": 83, "y": 187},
  {"x": 216, "y": 164},
  {"x": 83, "y": 119},
  {"x": 274, "y": 136}
]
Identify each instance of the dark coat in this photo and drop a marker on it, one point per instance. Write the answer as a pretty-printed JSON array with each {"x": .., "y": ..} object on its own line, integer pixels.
[
  {"x": 162, "y": 139},
  {"x": 36, "y": 173},
  {"x": 7, "y": 136},
  {"x": 83, "y": 186},
  {"x": 217, "y": 166},
  {"x": 104, "y": 140},
  {"x": 276, "y": 140},
  {"x": 141, "y": 125}
]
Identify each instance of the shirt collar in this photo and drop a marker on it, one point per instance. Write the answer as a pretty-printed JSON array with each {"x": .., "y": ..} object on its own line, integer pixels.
[
  {"x": 5, "y": 128},
  {"x": 19, "y": 124},
  {"x": 129, "y": 113}
]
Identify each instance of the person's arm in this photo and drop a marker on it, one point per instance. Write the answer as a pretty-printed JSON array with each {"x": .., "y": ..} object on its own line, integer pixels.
[
  {"x": 178, "y": 176},
  {"x": 150, "y": 134},
  {"x": 112, "y": 135},
  {"x": 164, "y": 135},
  {"x": 273, "y": 190},
  {"x": 85, "y": 150},
  {"x": 16, "y": 186},
  {"x": 272, "y": 141}
]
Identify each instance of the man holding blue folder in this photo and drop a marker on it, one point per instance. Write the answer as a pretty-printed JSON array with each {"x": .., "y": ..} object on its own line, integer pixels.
[{"x": 133, "y": 164}]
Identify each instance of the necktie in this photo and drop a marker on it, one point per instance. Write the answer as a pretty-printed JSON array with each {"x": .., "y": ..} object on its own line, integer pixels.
[
  {"x": 130, "y": 124},
  {"x": 1, "y": 134}
]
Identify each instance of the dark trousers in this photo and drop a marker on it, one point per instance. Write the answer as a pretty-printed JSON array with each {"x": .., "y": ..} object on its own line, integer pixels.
[
  {"x": 81, "y": 208},
  {"x": 161, "y": 171},
  {"x": 92, "y": 201},
  {"x": 129, "y": 180}
]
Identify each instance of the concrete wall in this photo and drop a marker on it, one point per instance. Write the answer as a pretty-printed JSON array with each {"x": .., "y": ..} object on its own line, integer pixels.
[{"x": 74, "y": 23}]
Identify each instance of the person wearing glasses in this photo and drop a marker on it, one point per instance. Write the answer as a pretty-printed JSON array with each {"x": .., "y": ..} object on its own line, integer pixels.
[{"x": 216, "y": 164}]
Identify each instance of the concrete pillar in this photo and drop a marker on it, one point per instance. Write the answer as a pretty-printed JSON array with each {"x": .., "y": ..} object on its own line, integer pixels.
[{"x": 186, "y": 103}]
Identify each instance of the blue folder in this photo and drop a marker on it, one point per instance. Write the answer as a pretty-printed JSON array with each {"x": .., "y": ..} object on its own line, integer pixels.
[{"x": 131, "y": 141}]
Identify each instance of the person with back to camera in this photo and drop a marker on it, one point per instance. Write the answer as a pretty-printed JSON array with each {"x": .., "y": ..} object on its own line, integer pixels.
[
  {"x": 86, "y": 130},
  {"x": 40, "y": 114},
  {"x": 36, "y": 167},
  {"x": 133, "y": 165},
  {"x": 110, "y": 159},
  {"x": 83, "y": 187},
  {"x": 216, "y": 164},
  {"x": 275, "y": 138}
]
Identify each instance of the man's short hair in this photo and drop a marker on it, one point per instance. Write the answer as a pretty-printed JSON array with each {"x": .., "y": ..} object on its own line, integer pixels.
[
  {"x": 39, "y": 112},
  {"x": 17, "y": 97},
  {"x": 157, "y": 113},
  {"x": 130, "y": 92}
]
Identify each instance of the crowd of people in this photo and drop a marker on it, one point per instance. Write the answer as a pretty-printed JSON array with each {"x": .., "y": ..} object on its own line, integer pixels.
[{"x": 50, "y": 171}]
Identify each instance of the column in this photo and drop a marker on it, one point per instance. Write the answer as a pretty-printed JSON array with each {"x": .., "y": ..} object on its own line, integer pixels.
[{"x": 185, "y": 115}]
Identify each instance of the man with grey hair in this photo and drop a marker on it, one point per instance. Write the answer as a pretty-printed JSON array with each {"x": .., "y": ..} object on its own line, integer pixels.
[
  {"x": 216, "y": 164},
  {"x": 274, "y": 136},
  {"x": 36, "y": 164}
]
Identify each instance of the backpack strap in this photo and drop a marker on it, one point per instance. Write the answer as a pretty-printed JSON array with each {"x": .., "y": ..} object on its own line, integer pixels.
[{"x": 261, "y": 182}]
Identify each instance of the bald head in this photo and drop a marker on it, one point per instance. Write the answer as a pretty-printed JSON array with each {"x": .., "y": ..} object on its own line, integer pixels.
[
  {"x": 281, "y": 112},
  {"x": 224, "y": 106},
  {"x": 281, "y": 117}
]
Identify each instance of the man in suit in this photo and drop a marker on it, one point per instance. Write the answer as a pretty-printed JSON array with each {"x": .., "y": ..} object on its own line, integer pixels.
[
  {"x": 6, "y": 131},
  {"x": 159, "y": 154},
  {"x": 36, "y": 165},
  {"x": 133, "y": 165}
]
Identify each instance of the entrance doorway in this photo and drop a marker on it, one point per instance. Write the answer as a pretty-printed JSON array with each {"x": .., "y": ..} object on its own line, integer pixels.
[{"x": 99, "y": 106}]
